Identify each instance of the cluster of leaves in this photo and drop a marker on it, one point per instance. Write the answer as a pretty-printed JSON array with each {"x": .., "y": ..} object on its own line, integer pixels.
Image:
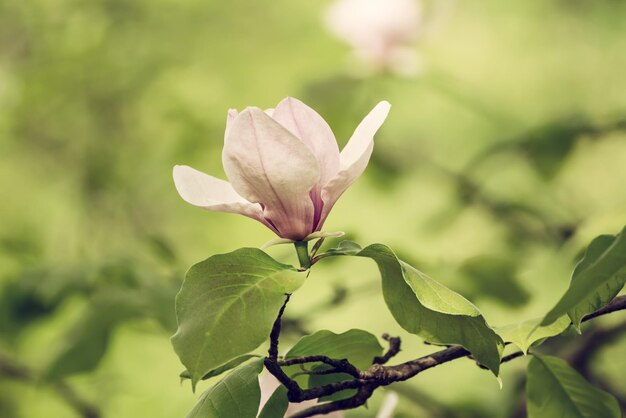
[
  {"x": 102, "y": 299},
  {"x": 228, "y": 303}
]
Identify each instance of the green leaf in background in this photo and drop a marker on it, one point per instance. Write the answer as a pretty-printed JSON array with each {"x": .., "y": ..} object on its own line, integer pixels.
[
  {"x": 87, "y": 341},
  {"x": 555, "y": 390},
  {"x": 83, "y": 350},
  {"x": 525, "y": 334},
  {"x": 548, "y": 145},
  {"x": 495, "y": 278},
  {"x": 426, "y": 308},
  {"x": 33, "y": 294},
  {"x": 596, "y": 280},
  {"x": 358, "y": 346},
  {"x": 221, "y": 369},
  {"x": 236, "y": 396},
  {"x": 276, "y": 405},
  {"x": 227, "y": 305}
]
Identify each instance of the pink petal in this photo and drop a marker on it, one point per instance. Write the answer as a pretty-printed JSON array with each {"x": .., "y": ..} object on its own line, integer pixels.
[
  {"x": 354, "y": 157},
  {"x": 213, "y": 194},
  {"x": 266, "y": 164},
  {"x": 307, "y": 125},
  {"x": 365, "y": 24}
]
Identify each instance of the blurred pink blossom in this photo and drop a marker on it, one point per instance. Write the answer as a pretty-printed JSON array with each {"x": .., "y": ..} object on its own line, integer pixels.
[
  {"x": 284, "y": 167},
  {"x": 380, "y": 32}
]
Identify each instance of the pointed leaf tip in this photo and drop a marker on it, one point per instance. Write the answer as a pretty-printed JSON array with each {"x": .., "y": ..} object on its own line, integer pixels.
[{"x": 596, "y": 280}]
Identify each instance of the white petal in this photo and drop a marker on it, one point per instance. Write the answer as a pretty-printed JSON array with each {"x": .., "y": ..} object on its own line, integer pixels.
[
  {"x": 230, "y": 117},
  {"x": 266, "y": 164},
  {"x": 354, "y": 157},
  {"x": 213, "y": 194},
  {"x": 307, "y": 125},
  {"x": 360, "y": 144}
]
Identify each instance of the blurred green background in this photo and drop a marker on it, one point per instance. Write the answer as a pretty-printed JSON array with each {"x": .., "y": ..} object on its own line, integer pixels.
[{"x": 497, "y": 165}]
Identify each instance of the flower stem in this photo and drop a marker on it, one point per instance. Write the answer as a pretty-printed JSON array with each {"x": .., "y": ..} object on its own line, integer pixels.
[{"x": 302, "y": 249}]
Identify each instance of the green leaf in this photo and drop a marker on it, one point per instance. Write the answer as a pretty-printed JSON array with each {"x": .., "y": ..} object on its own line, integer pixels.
[
  {"x": 358, "y": 346},
  {"x": 596, "y": 280},
  {"x": 426, "y": 308},
  {"x": 82, "y": 350},
  {"x": 221, "y": 369},
  {"x": 226, "y": 307},
  {"x": 276, "y": 405},
  {"x": 236, "y": 396},
  {"x": 548, "y": 145},
  {"x": 555, "y": 390},
  {"x": 525, "y": 334}
]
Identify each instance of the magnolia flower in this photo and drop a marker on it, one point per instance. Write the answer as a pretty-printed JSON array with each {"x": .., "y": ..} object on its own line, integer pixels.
[
  {"x": 381, "y": 32},
  {"x": 284, "y": 167}
]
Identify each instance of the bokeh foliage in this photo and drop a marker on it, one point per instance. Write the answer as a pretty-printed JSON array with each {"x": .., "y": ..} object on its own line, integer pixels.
[{"x": 505, "y": 157}]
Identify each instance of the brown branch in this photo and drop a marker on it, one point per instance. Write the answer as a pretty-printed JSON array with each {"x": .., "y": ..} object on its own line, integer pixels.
[
  {"x": 617, "y": 304},
  {"x": 318, "y": 372},
  {"x": 342, "y": 365},
  {"x": 413, "y": 367},
  {"x": 379, "y": 375},
  {"x": 505, "y": 359}
]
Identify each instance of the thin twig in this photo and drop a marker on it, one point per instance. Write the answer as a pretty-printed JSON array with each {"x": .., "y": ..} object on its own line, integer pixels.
[
  {"x": 505, "y": 359},
  {"x": 394, "y": 349},
  {"x": 342, "y": 365},
  {"x": 273, "y": 350},
  {"x": 617, "y": 304}
]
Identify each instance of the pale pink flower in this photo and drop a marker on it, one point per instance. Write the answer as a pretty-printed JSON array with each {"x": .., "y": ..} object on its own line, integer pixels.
[
  {"x": 284, "y": 167},
  {"x": 380, "y": 32}
]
